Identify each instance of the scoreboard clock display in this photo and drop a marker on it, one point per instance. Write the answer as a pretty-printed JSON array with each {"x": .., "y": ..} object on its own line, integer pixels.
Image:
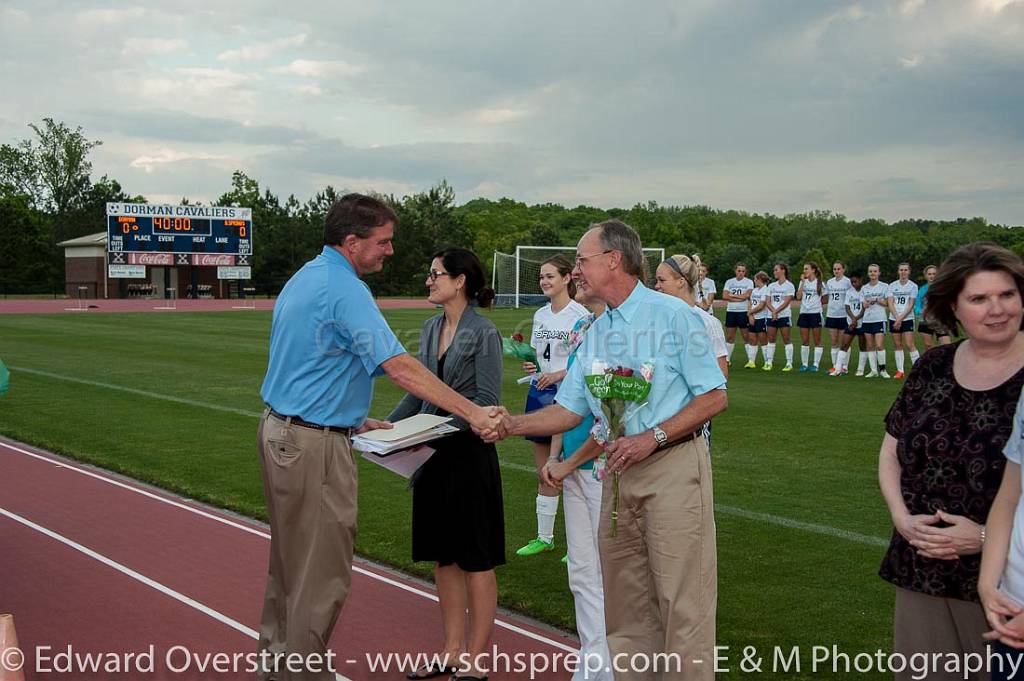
[{"x": 162, "y": 228}]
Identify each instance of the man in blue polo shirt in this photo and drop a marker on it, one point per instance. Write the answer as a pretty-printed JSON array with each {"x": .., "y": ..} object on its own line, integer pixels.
[
  {"x": 660, "y": 571},
  {"x": 328, "y": 341}
]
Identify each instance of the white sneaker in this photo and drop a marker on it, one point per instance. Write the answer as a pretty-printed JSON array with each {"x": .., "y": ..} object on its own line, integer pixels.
[
  {"x": 873, "y": 374},
  {"x": 885, "y": 374},
  {"x": 860, "y": 372},
  {"x": 833, "y": 372}
]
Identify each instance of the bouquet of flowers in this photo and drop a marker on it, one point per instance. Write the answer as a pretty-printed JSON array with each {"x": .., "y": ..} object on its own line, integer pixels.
[
  {"x": 616, "y": 388},
  {"x": 515, "y": 346}
]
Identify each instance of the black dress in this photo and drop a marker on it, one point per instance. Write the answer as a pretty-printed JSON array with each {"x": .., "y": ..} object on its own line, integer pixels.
[{"x": 457, "y": 511}]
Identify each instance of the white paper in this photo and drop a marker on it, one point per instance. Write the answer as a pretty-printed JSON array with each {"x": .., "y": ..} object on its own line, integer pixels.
[
  {"x": 364, "y": 444},
  {"x": 420, "y": 423}
]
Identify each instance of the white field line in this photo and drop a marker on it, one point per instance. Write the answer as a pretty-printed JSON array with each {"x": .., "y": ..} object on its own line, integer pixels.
[{"x": 769, "y": 518}]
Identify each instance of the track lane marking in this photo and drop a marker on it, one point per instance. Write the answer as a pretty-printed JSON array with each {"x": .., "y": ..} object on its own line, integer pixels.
[
  {"x": 139, "y": 577},
  {"x": 266, "y": 535}
]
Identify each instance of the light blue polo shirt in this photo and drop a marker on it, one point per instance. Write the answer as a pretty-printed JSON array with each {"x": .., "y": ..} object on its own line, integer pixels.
[
  {"x": 327, "y": 342},
  {"x": 647, "y": 327}
]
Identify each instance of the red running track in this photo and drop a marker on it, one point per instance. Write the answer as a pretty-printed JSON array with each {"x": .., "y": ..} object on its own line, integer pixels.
[
  {"x": 145, "y": 305},
  {"x": 106, "y": 565}
]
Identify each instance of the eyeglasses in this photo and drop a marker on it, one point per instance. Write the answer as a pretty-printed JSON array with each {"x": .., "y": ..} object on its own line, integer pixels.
[
  {"x": 432, "y": 275},
  {"x": 581, "y": 259}
]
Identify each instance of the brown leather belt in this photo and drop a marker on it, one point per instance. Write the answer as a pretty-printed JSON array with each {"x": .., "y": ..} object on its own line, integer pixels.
[
  {"x": 681, "y": 440},
  {"x": 296, "y": 421}
]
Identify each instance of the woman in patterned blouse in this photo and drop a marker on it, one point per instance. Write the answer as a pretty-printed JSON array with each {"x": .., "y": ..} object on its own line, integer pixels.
[{"x": 941, "y": 460}]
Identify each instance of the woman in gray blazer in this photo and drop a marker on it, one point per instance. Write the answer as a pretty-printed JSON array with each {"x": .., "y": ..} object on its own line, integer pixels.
[{"x": 457, "y": 516}]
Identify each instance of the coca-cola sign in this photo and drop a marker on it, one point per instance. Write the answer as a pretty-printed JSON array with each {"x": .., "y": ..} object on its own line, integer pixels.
[
  {"x": 213, "y": 259},
  {"x": 150, "y": 258}
]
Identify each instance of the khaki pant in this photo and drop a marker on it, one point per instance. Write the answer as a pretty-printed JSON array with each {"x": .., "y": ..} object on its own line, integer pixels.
[
  {"x": 661, "y": 571},
  {"x": 929, "y": 624},
  {"x": 309, "y": 481}
]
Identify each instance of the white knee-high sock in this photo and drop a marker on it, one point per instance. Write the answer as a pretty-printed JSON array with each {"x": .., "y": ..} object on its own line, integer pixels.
[
  {"x": 769, "y": 353},
  {"x": 805, "y": 353},
  {"x": 899, "y": 360},
  {"x": 728, "y": 351},
  {"x": 873, "y": 358},
  {"x": 841, "y": 357},
  {"x": 834, "y": 353},
  {"x": 914, "y": 356},
  {"x": 789, "y": 354},
  {"x": 751, "y": 352},
  {"x": 547, "y": 509},
  {"x": 880, "y": 354},
  {"x": 818, "y": 351},
  {"x": 862, "y": 359}
]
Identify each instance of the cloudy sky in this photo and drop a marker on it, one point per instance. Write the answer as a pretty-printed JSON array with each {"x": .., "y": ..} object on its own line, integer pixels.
[{"x": 897, "y": 108}]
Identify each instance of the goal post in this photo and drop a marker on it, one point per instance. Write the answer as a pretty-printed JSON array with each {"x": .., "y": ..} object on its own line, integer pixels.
[{"x": 515, "y": 278}]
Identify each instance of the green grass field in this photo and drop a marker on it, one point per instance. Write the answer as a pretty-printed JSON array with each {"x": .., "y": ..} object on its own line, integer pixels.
[{"x": 801, "y": 524}]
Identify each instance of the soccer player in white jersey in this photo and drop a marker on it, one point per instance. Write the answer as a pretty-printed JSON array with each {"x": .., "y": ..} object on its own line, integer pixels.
[
  {"x": 780, "y": 297},
  {"x": 876, "y": 294},
  {"x": 706, "y": 288},
  {"x": 736, "y": 292},
  {"x": 811, "y": 294},
  {"x": 677, "y": 276},
  {"x": 835, "y": 320},
  {"x": 853, "y": 303},
  {"x": 758, "y": 315},
  {"x": 901, "y": 299},
  {"x": 551, "y": 327}
]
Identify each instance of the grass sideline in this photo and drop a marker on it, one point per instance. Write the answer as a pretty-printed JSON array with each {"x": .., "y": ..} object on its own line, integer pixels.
[{"x": 799, "y": 447}]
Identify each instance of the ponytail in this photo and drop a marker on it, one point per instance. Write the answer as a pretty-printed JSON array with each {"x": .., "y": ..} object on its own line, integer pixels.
[{"x": 485, "y": 297}]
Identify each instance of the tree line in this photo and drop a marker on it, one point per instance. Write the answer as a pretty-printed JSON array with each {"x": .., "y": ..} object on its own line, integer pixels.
[{"x": 48, "y": 195}]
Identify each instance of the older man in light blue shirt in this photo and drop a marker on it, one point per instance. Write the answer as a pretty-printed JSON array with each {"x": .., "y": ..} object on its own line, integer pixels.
[
  {"x": 328, "y": 341},
  {"x": 660, "y": 570},
  {"x": 647, "y": 327}
]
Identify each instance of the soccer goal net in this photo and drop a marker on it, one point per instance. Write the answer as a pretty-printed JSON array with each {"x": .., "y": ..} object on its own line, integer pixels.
[{"x": 515, "y": 277}]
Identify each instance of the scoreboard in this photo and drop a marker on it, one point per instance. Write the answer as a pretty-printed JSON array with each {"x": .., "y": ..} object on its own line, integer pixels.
[{"x": 162, "y": 228}]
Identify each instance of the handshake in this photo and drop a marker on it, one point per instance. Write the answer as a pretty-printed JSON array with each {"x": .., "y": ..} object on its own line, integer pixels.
[{"x": 492, "y": 424}]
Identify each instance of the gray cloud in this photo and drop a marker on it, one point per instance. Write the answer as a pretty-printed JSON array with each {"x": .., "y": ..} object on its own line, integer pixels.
[
  {"x": 175, "y": 126},
  {"x": 886, "y": 108}
]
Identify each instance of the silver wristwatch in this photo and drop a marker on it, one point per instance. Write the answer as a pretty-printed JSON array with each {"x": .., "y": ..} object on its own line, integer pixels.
[{"x": 660, "y": 436}]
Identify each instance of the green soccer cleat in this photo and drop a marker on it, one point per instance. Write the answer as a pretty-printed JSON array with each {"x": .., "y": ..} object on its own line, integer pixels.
[
  {"x": 788, "y": 367},
  {"x": 749, "y": 365},
  {"x": 766, "y": 367},
  {"x": 534, "y": 547}
]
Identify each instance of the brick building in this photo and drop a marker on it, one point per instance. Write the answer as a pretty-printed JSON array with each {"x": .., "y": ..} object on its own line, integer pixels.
[{"x": 86, "y": 273}]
